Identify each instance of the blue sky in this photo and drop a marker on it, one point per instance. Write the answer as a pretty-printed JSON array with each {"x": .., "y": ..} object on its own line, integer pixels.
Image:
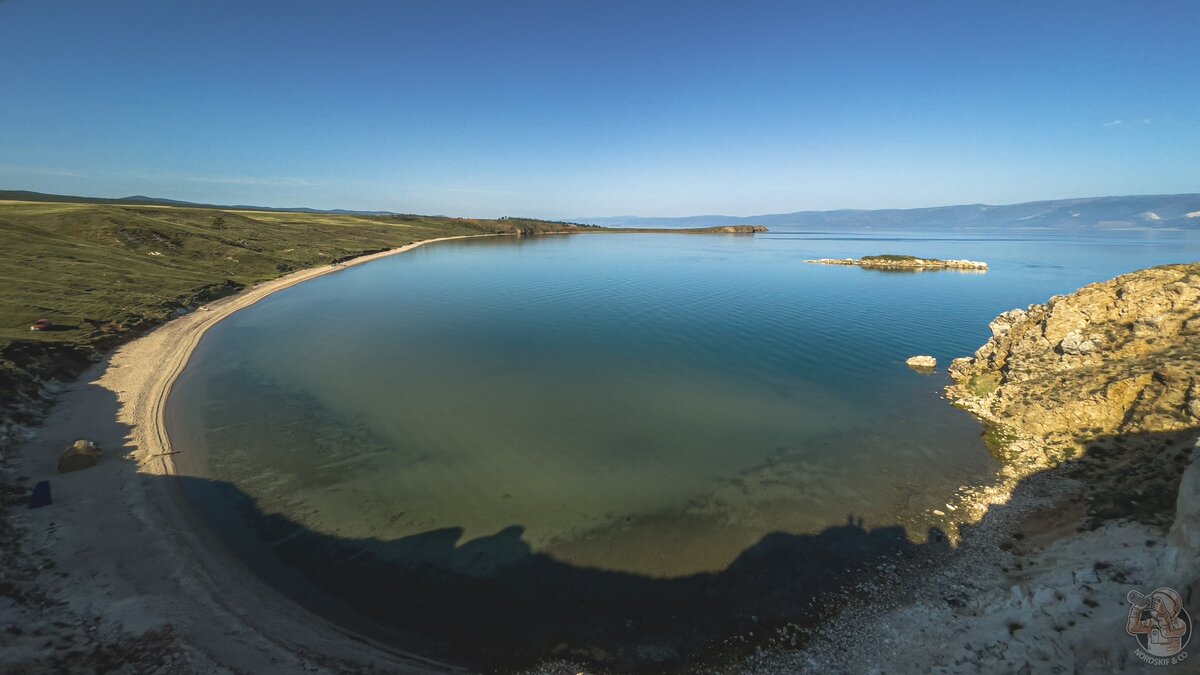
[{"x": 572, "y": 109}]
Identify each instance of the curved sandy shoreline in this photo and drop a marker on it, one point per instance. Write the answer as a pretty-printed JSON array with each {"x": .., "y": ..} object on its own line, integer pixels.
[
  {"x": 179, "y": 338},
  {"x": 141, "y": 564}
]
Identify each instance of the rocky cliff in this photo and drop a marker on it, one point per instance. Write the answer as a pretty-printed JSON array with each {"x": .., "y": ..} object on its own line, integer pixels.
[
  {"x": 1108, "y": 376},
  {"x": 1120, "y": 357}
]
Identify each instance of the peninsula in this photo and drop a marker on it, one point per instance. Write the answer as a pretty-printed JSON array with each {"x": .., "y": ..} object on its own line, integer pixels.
[{"x": 906, "y": 263}]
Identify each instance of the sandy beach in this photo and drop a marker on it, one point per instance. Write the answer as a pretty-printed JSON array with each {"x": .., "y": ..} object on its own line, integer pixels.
[
  {"x": 170, "y": 597},
  {"x": 149, "y": 366}
]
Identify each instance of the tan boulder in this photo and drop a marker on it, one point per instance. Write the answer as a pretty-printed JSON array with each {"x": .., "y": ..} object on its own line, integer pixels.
[
  {"x": 82, "y": 454},
  {"x": 921, "y": 363}
]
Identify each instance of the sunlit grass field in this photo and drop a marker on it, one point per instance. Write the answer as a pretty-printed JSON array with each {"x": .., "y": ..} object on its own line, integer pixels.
[
  {"x": 101, "y": 273},
  {"x": 96, "y": 270}
]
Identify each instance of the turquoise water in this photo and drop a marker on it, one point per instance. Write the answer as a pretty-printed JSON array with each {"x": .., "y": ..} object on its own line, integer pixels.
[{"x": 645, "y": 405}]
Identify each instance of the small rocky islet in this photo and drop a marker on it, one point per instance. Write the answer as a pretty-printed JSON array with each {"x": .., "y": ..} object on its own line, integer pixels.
[{"x": 906, "y": 263}]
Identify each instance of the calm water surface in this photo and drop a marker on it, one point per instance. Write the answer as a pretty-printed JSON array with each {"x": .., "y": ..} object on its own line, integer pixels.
[{"x": 644, "y": 404}]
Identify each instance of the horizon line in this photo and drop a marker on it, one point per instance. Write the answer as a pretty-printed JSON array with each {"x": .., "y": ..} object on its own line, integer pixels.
[{"x": 186, "y": 203}]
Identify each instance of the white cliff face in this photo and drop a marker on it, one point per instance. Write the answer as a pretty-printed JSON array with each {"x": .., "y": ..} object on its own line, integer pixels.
[{"x": 1183, "y": 554}]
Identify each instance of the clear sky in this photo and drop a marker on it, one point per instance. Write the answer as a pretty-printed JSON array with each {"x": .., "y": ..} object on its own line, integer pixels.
[{"x": 572, "y": 109}]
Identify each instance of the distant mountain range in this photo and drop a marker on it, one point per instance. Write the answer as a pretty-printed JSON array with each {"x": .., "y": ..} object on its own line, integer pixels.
[
  {"x": 139, "y": 200},
  {"x": 1141, "y": 212}
]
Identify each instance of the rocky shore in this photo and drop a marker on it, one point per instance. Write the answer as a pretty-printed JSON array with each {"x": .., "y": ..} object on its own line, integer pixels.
[
  {"x": 890, "y": 261},
  {"x": 1108, "y": 376},
  {"x": 1092, "y": 402},
  {"x": 1132, "y": 341}
]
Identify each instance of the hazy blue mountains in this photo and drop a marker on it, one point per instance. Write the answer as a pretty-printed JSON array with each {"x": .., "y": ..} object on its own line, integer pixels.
[{"x": 1140, "y": 212}]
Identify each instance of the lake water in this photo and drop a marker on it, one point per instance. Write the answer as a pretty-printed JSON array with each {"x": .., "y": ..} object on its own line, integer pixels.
[{"x": 420, "y": 440}]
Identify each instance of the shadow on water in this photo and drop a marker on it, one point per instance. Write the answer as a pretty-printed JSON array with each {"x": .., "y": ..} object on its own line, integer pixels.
[
  {"x": 490, "y": 603},
  {"x": 493, "y": 603}
]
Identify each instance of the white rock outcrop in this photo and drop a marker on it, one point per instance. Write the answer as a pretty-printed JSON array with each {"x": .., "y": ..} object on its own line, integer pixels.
[
  {"x": 1183, "y": 556},
  {"x": 922, "y": 362}
]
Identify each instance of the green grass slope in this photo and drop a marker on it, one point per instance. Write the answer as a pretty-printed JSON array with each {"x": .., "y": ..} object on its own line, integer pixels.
[{"x": 103, "y": 272}]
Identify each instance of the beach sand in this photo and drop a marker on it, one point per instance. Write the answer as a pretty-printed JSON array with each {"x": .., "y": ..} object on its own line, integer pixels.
[{"x": 123, "y": 571}]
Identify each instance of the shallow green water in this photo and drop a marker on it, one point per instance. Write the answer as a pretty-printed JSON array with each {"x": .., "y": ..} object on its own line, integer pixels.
[{"x": 650, "y": 404}]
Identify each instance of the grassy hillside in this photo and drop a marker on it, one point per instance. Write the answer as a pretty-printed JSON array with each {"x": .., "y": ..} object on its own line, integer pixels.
[
  {"x": 142, "y": 200},
  {"x": 103, "y": 272},
  {"x": 93, "y": 269}
]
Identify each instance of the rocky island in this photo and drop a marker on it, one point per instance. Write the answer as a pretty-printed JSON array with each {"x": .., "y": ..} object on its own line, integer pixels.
[
  {"x": 891, "y": 261},
  {"x": 719, "y": 229}
]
